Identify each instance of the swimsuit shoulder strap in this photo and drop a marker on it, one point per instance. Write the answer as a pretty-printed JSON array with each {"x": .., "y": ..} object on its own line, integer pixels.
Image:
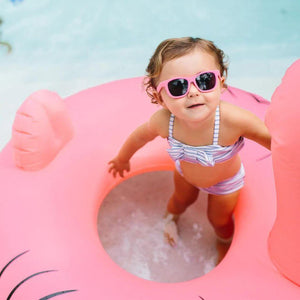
[
  {"x": 171, "y": 125},
  {"x": 217, "y": 126}
]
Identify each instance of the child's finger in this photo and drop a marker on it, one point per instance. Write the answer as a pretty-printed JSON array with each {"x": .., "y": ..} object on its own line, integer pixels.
[
  {"x": 111, "y": 162},
  {"x": 111, "y": 168}
]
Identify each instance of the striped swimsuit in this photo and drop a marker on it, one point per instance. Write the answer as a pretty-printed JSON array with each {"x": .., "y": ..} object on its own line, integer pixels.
[{"x": 208, "y": 156}]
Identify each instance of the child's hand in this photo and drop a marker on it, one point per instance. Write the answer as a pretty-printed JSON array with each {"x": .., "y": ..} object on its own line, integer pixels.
[{"x": 118, "y": 167}]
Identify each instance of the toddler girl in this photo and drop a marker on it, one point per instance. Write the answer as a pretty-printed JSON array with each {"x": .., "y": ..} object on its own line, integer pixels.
[{"x": 186, "y": 77}]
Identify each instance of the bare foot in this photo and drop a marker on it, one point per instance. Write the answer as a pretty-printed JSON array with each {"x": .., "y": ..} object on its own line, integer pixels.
[{"x": 170, "y": 230}]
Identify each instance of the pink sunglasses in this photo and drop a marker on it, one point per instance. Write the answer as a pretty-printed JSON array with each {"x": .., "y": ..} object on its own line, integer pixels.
[{"x": 179, "y": 87}]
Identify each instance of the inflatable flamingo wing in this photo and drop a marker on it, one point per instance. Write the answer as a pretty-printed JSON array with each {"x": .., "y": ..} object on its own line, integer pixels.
[
  {"x": 283, "y": 121},
  {"x": 41, "y": 128}
]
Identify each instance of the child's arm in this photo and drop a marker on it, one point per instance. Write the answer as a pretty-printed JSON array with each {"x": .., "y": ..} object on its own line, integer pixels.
[
  {"x": 258, "y": 132},
  {"x": 136, "y": 140},
  {"x": 254, "y": 128}
]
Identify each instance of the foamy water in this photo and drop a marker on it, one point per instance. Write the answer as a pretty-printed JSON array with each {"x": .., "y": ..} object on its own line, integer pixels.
[{"x": 130, "y": 226}]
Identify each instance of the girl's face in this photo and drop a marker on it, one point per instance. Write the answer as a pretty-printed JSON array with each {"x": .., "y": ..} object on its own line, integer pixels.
[{"x": 195, "y": 105}]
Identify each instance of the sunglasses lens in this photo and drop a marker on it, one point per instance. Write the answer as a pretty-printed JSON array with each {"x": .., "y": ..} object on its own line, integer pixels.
[
  {"x": 178, "y": 87},
  {"x": 206, "y": 81}
]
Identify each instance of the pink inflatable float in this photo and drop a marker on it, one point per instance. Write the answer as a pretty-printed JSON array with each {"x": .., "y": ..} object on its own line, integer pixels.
[{"x": 53, "y": 176}]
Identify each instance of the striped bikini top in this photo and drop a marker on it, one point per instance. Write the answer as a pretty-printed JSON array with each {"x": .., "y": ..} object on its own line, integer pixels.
[{"x": 205, "y": 155}]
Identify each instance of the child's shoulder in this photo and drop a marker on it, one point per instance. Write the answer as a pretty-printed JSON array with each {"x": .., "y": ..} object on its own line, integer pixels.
[
  {"x": 159, "y": 122},
  {"x": 232, "y": 113},
  {"x": 238, "y": 118},
  {"x": 226, "y": 106}
]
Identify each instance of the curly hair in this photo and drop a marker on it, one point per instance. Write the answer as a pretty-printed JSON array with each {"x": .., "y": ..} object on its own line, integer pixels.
[{"x": 174, "y": 48}]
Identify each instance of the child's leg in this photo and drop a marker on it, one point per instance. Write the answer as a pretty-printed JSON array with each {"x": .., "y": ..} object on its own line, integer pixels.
[
  {"x": 184, "y": 195},
  {"x": 220, "y": 213}
]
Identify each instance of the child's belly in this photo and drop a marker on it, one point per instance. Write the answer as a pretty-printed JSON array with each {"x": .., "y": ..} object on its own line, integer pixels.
[{"x": 202, "y": 176}]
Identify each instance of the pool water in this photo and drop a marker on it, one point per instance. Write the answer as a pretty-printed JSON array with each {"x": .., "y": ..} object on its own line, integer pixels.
[
  {"x": 130, "y": 227},
  {"x": 67, "y": 47}
]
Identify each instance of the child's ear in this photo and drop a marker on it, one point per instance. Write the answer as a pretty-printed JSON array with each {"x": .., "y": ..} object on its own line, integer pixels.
[
  {"x": 159, "y": 99},
  {"x": 223, "y": 85},
  {"x": 222, "y": 81}
]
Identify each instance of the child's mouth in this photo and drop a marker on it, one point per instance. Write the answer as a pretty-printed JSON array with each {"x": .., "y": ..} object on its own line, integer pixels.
[{"x": 195, "y": 105}]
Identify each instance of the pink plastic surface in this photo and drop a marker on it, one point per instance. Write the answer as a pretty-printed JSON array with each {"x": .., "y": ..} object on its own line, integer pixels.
[
  {"x": 51, "y": 213},
  {"x": 283, "y": 121},
  {"x": 41, "y": 128}
]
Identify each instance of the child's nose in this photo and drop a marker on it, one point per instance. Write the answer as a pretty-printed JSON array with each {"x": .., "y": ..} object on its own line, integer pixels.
[{"x": 193, "y": 91}]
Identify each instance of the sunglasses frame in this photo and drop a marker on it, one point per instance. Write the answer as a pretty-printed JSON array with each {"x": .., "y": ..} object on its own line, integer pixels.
[{"x": 191, "y": 79}]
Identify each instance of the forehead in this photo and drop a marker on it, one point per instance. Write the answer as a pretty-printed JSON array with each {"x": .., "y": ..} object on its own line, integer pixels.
[{"x": 189, "y": 64}]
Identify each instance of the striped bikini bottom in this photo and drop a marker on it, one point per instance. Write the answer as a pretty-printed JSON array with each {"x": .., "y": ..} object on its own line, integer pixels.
[{"x": 224, "y": 187}]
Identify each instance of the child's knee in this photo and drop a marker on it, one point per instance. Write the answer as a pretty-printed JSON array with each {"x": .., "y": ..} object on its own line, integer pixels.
[
  {"x": 177, "y": 204},
  {"x": 220, "y": 221}
]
